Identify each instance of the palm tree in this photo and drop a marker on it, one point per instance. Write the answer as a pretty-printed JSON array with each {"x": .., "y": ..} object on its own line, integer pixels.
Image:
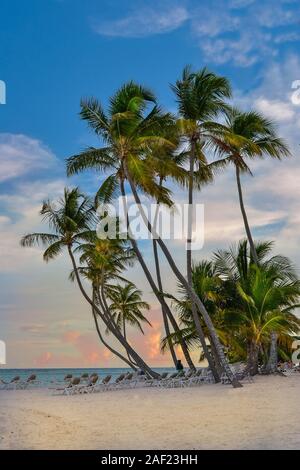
[
  {"x": 102, "y": 262},
  {"x": 128, "y": 131},
  {"x": 126, "y": 307},
  {"x": 246, "y": 135},
  {"x": 268, "y": 307},
  {"x": 71, "y": 220},
  {"x": 200, "y": 98},
  {"x": 262, "y": 297}
]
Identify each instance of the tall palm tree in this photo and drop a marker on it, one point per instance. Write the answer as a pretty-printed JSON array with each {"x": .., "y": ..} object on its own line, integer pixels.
[
  {"x": 71, "y": 221},
  {"x": 200, "y": 97},
  {"x": 246, "y": 135},
  {"x": 127, "y": 130}
]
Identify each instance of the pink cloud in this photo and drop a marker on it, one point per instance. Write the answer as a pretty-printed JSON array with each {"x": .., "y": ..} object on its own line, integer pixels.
[{"x": 87, "y": 352}]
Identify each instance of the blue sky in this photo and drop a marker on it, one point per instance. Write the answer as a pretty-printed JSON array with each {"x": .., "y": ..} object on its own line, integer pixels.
[{"x": 52, "y": 53}]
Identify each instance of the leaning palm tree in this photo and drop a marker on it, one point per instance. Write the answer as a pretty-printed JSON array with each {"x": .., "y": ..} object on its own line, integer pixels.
[
  {"x": 102, "y": 263},
  {"x": 127, "y": 131},
  {"x": 71, "y": 221},
  {"x": 246, "y": 135},
  {"x": 127, "y": 307}
]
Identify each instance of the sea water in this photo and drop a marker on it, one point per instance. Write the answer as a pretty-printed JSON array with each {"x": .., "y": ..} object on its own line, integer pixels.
[{"x": 48, "y": 377}]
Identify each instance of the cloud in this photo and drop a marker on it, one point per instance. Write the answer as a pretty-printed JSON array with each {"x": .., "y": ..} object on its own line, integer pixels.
[
  {"x": 244, "y": 37},
  {"x": 28, "y": 173},
  {"x": 83, "y": 350},
  {"x": 275, "y": 189},
  {"x": 34, "y": 328},
  {"x": 23, "y": 216},
  {"x": 20, "y": 155},
  {"x": 278, "y": 110},
  {"x": 144, "y": 22},
  {"x": 242, "y": 32}
]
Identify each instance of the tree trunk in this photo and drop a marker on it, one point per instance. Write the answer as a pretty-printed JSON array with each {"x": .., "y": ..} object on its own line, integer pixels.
[
  {"x": 245, "y": 219},
  {"x": 215, "y": 357},
  {"x": 139, "y": 361},
  {"x": 164, "y": 314},
  {"x": 125, "y": 336},
  {"x": 156, "y": 291},
  {"x": 113, "y": 351},
  {"x": 252, "y": 365},
  {"x": 190, "y": 291},
  {"x": 189, "y": 264},
  {"x": 273, "y": 356}
]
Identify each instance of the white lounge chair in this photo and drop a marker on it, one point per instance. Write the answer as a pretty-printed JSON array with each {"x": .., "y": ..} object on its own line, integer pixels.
[{"x": 70, "y": 389}]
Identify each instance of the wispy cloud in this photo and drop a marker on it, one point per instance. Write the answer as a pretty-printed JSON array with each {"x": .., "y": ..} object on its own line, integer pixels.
[
  {"x": 242, "y": 32},
  {"x": 20, "y": 155},
  {"x": 144, "y": 22}
]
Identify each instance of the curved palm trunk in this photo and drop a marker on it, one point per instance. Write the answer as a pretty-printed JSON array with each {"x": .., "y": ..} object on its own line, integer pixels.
[
  {"x": 215, "y": 357},
  {"x": 160, "y": 287},
  {"x": 212, "y": 364},
  {"x": 164, "y": 314},
  {"x": 125, "y": 336},
  {"x": 140, "y": 362},
  {"x": 190, "y": 291},
  {"x": 245, "y": 219},
  {"x": 113, "y": 351},
  {"x": 156, "y": 291}
]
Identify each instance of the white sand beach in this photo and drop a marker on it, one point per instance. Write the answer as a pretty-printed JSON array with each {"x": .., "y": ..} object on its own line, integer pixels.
[{"x": 262, "y": 415}]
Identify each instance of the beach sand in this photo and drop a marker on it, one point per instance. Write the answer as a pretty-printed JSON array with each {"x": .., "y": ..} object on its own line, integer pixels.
[{"x": 262, "y": 415}]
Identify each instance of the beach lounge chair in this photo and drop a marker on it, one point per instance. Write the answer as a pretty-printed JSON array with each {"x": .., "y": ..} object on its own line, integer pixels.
[
  {"x": 160, "y": 382},
  {"x": 177, "y": 381},
  {"x": 68, "y": 377},
  {"x": 131, "y": 380},
  {"x": 88, "y": 387},
  {"x": 32, "y": 380},
  {"x": 188, "y": 379},
  {"x": 12, "y": 384},
  {"x": 102, "y": 386},
  {"x": 117, "y": 382},
  {"x": 70, "y": 389},
  {"x": 169, "y": 381}
]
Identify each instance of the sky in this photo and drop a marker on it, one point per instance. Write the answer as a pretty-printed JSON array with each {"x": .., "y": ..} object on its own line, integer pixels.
[{"x": 52, "y": 53}]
